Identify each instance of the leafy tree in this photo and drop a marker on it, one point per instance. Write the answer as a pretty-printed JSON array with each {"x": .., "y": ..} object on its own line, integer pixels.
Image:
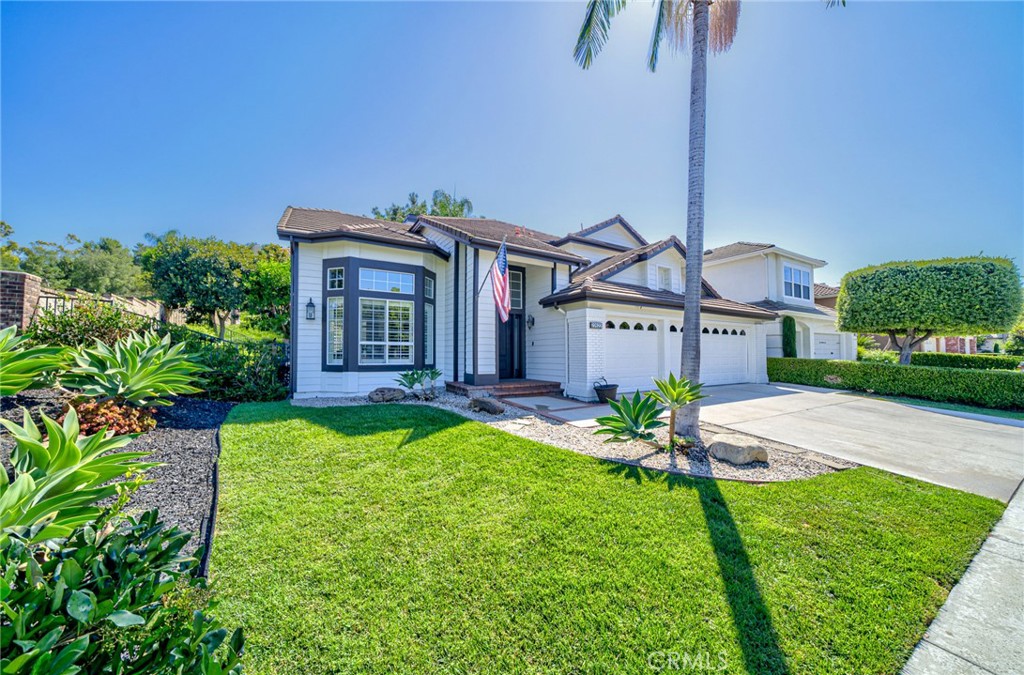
[
  {"x": 203, "y": 276},
  {"x": 103, "y": 266},
  {"x": 914, "y": 300},
  {"x": 441, "y": 204},
  {"x": 268, "y": 291},
  {"x": 704, "y": 25},
  {"x": 9, "y": 259},
  {"x": 1014, "y": 345},
  {"x": 398, "y": 212}
]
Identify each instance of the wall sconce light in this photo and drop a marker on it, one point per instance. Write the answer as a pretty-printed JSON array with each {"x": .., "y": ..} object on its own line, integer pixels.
[
  {"x": 310, "y": 310},
  {"x": 530, "y": 321}
]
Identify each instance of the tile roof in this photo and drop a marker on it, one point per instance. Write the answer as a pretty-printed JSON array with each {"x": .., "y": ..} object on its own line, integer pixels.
[
  {"x": 612, "y": 264},
  {"x": 825, "y": 291},
  {"x": 733, "y": 250},
  {"x": 488, "y": 231},
  {"x": 596, "y": 227},
  {"x": 591, "y": 289},
  {"x": 305, "y": 223},
  {"x": 816, "y": 310}
]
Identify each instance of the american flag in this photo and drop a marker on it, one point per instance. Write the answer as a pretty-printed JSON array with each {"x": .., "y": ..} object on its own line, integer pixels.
[{"x": 499, "y": 283}]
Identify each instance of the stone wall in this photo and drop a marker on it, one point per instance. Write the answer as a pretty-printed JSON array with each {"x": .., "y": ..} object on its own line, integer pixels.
[{"x": 19, "y": 295}]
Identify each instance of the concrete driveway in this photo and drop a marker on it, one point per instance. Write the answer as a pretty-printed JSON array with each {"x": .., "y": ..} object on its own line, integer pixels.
[{"x": 984, "y": 457}]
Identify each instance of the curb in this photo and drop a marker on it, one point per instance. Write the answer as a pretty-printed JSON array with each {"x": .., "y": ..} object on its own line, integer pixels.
[{"x": 211, "y": 518}]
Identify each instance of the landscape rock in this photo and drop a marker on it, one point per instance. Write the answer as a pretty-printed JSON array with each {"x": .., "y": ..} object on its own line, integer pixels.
[
  {"x": 737, "y": 449},
  {"x": 386, "y": 395},
  {"x": 487, "y": 405}
]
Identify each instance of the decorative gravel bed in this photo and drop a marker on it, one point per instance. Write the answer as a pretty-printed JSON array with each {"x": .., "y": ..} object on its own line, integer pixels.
[
  {"x": 785, "y": 462},
  {"x": 183, "y": 442}
]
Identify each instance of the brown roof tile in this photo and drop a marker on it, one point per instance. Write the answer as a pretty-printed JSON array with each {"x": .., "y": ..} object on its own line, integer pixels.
[
  {"x": 305, "y": 223},
  {"x": 733, "y": 250},
  {"x": 490, "y": 232},
  {"x": 825, "y": 291}
]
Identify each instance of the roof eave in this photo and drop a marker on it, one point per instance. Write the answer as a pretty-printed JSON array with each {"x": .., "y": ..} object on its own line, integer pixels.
[{"x": 341, "y": 235}]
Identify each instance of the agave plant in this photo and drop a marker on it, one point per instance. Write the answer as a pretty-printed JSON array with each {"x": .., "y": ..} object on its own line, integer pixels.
[
  {"x": 139, "y": 370},
  {"x": 633, "y": 419},
  {"x": 674, "y": 393},
  {"x": 59, "y": 479},
  {"x": 410, "y": 379},
  {"x": 24, "y": 367}
]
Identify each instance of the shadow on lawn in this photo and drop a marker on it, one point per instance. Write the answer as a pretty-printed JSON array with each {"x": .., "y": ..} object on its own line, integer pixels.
[{"x": 758, "y": 639}]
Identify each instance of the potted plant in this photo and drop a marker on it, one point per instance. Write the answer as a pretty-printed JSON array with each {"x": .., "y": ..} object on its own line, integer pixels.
[{"x": 606, "y": 392}]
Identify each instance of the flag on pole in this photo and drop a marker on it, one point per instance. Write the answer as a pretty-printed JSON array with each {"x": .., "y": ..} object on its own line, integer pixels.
[{"x": 499, "y": 283}]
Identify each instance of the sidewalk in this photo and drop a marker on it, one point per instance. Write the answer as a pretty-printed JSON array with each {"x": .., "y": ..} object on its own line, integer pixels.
[{"x": 979, "y": 630}]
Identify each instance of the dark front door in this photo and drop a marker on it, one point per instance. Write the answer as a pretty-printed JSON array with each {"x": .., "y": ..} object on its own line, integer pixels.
[{"x": 512, "y": 333}]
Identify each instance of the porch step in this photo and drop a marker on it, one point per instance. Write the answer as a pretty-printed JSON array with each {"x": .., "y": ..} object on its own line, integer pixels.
[{"x": 506, "y": 388}]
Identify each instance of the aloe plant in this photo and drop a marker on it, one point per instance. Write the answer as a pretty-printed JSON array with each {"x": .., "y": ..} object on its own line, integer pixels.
[
  {"x": 59, "y": 479},
  {"x": 410, "y": 379},
  {"x": 632, "y": 419},
  {"x": 24, "y": 367},
  {"x": 675, "y": 393},
  {"x": 139, "y": 370}
]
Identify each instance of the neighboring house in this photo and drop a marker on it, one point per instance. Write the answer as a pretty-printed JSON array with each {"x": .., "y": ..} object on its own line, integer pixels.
[
  {"x": 372, "y": 298},
  {"x": 826, "y": 295},
  {"x": 779, "y": 280}
]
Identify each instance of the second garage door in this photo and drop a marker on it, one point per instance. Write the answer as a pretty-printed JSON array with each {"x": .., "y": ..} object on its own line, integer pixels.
[{"x": 632, "y": 355}]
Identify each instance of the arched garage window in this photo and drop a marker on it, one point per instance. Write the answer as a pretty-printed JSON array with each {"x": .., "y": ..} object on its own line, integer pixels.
[
  {"x": 638, "y": 326},
  {"x": 652, "y": 327},
  {"x": 706, "y": 331},
  {"x": 609, "y": 325},
  {"x": 623, "y": 326},
  {"x": 672, "y": 329}
]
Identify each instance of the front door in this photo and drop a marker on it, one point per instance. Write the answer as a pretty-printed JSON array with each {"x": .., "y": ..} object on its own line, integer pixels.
[{"x": 512, "y": 333}]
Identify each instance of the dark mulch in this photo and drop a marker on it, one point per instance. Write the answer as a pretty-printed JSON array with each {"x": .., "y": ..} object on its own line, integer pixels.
[{"x": 183, "y": 442}]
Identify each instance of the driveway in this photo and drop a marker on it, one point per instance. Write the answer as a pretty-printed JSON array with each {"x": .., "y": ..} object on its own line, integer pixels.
[{"x": 984, "y": 457}]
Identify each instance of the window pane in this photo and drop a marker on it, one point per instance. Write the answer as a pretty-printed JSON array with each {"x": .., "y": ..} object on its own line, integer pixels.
[
  {"x": 428, "y": 334},
  {"x": 807, "y": 292},
  {"x": 372, "y": 354},
  {"x": 336, "y": 279},
  {"x": 385, "y": 281},
  {"x": 372, "y": 320},
  {"x": 335, "y": 330},
  {"x": 789, "y": 288},
  {"x": 788, "y": 272},
  {"x": 664, "y": 278},
  {"x": 385, "y": 331},
  {"x": 805, "y": 278},
  {"x": 515, "y": 288},
  {"x": 428, "y": 287}
]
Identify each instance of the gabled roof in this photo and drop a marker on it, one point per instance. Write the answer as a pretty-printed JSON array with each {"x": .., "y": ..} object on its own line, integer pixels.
[
  {"x": 488, "y": 233},
  {"x": 588, "y": 232},
  {"x": 825, "y": 291},
  {"x": 323, "y": 224},
  {"x": 745, "y": 248},
  {"x": 610, "y": 291},
  {"x": 733, "y": 250},
  {"x": 620, "y": 261}
]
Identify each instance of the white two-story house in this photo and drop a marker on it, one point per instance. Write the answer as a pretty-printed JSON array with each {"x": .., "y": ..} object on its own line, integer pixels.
[
  {"x": 372, "y": 298},
  {"x": 782, "y": 281}
]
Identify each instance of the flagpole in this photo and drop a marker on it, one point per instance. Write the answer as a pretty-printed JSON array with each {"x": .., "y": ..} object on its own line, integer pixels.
[{"x": 489, "y": 270}]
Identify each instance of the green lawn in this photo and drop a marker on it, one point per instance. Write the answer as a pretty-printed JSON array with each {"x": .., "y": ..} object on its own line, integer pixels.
[{"x": 406, "y": 539}]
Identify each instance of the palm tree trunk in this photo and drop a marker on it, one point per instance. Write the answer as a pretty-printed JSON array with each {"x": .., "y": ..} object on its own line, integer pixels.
[{"x": 687, "y": 424}]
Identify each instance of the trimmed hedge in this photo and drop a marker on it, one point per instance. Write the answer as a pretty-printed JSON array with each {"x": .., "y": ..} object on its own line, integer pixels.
[
  {"x": 987, "y": 388},
  {"x": 977, "y": 361}
]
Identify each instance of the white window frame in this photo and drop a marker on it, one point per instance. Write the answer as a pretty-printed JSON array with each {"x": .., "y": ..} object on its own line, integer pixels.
[
  {"x": 340, "y": 278},
  {"x": 335, "y": 346},
  {"x": 522, "y": 289},
  {"x": 796, "y": 272},
  {"x": 428, "y": 334},
  {"x": 662, "y": 269},
  {"x": 381, "y": 281},
  {"x": 387, "y": 342},
  {"x": 428, "y": 288}
]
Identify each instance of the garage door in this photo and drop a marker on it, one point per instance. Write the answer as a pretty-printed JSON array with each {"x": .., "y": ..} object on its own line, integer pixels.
[
  {"x": 632, "y": 354},
  {"x": 826, "y": 345},
  {"x": 723, "y": 354}
]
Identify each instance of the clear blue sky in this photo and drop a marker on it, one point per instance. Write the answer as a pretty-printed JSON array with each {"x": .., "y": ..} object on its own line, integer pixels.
[{"x": 880, "y": 131}]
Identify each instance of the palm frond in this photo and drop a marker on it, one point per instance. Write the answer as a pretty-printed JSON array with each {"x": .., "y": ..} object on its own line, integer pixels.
[
  {"x": 594, "y": 31},
  {"x": 661, "y": 25},
  {"x": 724, "y": 19}
]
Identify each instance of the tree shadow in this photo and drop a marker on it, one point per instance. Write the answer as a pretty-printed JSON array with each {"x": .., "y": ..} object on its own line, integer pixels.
[{"x": 758, "y": 639}]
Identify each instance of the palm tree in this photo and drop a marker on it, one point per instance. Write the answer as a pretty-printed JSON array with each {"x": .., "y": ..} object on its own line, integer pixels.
[{"x": 707, "y": 24}]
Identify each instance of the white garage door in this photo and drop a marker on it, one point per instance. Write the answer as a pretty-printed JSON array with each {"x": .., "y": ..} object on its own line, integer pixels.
[
  {"x": 826, "y": 345},
  {"x": 631, "y": 354},
  {"x": 723, "y": 353}
]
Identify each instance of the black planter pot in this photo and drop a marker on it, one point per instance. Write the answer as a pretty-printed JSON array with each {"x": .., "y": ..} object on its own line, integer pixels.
[{"x": 607, "y": 392}]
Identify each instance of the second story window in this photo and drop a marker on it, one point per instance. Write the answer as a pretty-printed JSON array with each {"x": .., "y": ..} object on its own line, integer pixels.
[
  {"x": 797, "y": 282},
  {"x": 665, "y": 278}
]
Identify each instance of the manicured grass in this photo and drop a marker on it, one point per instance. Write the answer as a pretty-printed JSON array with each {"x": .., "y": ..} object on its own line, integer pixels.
[
  {"x": 942, "y": 405},
  {"x": 407, "y": 539}
]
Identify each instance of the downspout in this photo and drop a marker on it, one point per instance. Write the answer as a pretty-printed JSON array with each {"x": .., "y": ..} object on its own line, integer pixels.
[{"x": 565, "y": 322}]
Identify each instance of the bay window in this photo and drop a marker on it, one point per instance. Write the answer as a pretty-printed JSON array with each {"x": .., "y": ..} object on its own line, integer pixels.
[
  {"x": 796, "y": 282},
  {"x": 385, "y": 331}
]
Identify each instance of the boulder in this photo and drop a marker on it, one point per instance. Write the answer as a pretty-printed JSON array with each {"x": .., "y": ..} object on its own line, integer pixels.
[
  {"x": 737, "y": 449},
  {"x": 487, "y": 405},
  {"x": 386, "y": 394}
]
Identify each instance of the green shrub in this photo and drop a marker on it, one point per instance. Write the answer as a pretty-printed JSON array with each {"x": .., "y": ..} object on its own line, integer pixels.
[
  {"x": 789, "y": 337},
  {"x": 57, "y": 480},
  {"x": 85, "y": 322},
  {"x": 987, "y": 388},
  {"x": 631, "y": 419},
  {"x": 241, "y": 372},
  {"x": 977, "y": 361},
  {"x": 996, "y": 348},
  {"x": 877, "y": 356},
  {"x": 111, "y": 600},
  {"x": 23, "y": 367},
  {"x": 138, "y": 370}
]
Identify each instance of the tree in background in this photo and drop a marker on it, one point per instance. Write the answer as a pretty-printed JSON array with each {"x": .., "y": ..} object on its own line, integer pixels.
[
  {"x": 1014, "y": 345},
  {"x": 205, "y": 277},
  {"x": 441, "y": 204},
  {"x": 268, "y": 289},
  {"x": 912, "y": 301}
]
